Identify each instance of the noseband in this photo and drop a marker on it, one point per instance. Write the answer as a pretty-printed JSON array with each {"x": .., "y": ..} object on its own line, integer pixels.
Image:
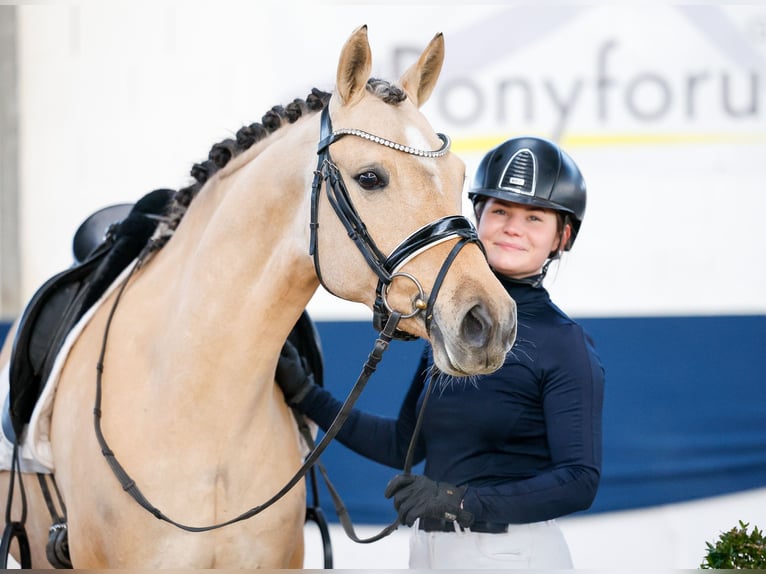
[{"x": 385, "y": 267}]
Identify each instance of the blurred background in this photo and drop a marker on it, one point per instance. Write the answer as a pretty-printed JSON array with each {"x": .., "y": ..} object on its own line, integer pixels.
[{"x": 662, "y": 105}]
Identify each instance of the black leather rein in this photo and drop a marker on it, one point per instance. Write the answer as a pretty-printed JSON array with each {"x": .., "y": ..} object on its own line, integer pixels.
[
  {"x": 387, "y": 319},
  {"x": 130, "y": 486}
]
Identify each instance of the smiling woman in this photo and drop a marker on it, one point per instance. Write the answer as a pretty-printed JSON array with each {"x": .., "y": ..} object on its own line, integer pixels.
[
  {"x": 529, "y": 199},
  {"x": 519, "y": 239},
  {"x": 506, "y": 456}
]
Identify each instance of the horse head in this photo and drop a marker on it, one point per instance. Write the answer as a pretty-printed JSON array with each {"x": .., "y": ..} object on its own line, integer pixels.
[{"x": 391, "y": 187}]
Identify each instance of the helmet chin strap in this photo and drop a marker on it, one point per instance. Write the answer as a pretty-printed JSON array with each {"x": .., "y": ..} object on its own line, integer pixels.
[
  {"x": 552, "y": 256},
  {"x": 538, "y": 279}
]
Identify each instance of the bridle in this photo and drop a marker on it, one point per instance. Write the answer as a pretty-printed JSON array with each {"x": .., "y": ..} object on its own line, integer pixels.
[
  {"x": 386, "y": 319},
  {"x": 385, "y": 267}
]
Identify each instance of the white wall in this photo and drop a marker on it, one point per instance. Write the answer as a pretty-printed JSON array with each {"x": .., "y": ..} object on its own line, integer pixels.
[{"x": 119, "y": 98}]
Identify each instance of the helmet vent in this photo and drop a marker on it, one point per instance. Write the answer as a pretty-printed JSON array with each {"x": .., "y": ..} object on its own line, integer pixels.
[{"x": 519, "y": 174}]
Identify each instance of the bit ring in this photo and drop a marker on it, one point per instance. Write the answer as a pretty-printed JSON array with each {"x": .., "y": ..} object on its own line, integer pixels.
[{"x": 418, "y": 305}]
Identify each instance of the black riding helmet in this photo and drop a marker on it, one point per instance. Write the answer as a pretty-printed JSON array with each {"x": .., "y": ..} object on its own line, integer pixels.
[{"x": 532, "y": 171}]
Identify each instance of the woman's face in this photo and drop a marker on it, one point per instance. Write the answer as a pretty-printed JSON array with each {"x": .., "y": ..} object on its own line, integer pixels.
[{"x": 519, "y": 238}]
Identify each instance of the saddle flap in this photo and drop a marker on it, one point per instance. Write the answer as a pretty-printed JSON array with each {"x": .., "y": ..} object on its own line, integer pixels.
[
  {"x": 49, "y": 316},
  {"x": 104, "y": 245}
]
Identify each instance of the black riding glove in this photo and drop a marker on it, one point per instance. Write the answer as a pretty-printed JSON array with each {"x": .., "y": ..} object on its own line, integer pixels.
[
  {"x": 417, "y": 496},
  {"x": 293, "y": 375}
]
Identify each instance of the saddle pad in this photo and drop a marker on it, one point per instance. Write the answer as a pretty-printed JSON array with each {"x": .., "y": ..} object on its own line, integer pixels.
[{"x": 36, "y": 454}]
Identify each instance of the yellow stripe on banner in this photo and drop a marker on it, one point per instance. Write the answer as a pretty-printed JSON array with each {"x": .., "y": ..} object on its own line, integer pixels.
[{"x": 480, "y": 144}]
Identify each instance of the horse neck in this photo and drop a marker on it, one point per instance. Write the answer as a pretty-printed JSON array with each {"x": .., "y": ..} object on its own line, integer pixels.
[{"x": 237, "y": 268}]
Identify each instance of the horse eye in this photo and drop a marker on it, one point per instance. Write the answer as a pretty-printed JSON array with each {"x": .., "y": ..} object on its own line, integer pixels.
[{"x": 370, "y": 180}]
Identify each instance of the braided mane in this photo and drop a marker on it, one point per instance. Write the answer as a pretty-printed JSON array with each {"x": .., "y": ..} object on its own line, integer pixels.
[{"x": 222, "y": 152}]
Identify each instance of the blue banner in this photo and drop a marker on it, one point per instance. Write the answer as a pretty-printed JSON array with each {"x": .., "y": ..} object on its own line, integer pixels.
[{"x": 684, "y": 409}]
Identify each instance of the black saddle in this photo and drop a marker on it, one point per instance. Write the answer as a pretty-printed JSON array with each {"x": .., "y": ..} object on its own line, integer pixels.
[{"x": 104, "y": 245}]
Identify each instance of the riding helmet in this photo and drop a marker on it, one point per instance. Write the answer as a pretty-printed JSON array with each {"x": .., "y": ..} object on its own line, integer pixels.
[{"x": 532, "y": 171}]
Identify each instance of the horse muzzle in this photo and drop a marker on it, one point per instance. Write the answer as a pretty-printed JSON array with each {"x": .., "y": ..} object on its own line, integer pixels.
[{"x": 476, "y": 342}]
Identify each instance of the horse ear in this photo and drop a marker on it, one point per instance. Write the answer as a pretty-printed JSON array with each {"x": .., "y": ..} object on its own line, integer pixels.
[
  {"x": 354, "y": 67},
  {"x": 420, "y": 79}
]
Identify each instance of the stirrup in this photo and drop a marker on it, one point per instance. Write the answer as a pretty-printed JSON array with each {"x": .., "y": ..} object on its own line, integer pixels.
[{"x": 57, "y": 548}]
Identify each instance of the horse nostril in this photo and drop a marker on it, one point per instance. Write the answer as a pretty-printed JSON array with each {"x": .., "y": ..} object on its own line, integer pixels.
[{"x": 476, "y": 326}]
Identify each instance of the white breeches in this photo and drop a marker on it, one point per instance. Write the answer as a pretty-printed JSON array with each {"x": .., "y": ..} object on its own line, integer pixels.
[{"x": 540, "y": 545}]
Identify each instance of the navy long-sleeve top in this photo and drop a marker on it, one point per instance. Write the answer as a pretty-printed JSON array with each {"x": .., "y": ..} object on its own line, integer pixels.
[{"x": 525, "y": 440}]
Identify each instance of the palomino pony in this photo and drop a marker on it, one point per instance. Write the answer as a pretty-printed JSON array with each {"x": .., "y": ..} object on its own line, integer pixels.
[{"x": 188, "y": 403}]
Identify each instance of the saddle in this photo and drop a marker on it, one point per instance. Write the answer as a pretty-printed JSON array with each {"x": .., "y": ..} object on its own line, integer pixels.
[{"x": 104, "y": 244}]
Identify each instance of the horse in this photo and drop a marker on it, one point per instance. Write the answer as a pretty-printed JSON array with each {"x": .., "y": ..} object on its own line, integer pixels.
[{"x": 189, "y": 405}]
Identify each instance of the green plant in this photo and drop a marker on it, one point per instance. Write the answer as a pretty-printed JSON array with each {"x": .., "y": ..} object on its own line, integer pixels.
[{"x": 737, "y": 549}]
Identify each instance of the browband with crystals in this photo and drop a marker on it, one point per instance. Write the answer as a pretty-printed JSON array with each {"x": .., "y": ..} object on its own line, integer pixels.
[{"x": 397, "y": 146}]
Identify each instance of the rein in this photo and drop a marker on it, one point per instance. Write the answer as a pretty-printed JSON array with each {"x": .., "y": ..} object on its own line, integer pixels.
[
  {"x": 130, "y": 486},
  {"x": 340, "y": 508},
  {"x": 385, "y": 318}
]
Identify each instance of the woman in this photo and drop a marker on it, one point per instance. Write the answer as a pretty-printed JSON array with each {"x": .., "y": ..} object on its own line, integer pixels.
[{"x": 506, "y": 456}]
